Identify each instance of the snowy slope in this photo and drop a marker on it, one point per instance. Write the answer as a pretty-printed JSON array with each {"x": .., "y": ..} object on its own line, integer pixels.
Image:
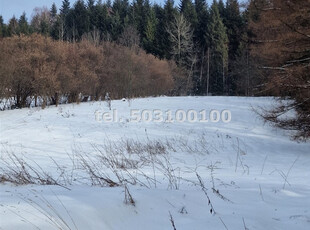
[{"x": 263, "y": 177}]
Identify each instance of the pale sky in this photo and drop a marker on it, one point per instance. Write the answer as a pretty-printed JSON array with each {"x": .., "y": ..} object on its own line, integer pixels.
[{"x": 8, "y": 8}]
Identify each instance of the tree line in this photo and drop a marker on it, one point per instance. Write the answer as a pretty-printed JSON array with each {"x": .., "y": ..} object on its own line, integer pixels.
[{"x": 203, "y": 40}]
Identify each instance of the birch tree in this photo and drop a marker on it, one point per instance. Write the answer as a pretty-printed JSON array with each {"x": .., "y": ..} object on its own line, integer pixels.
[{"x": 181, "y": 38}]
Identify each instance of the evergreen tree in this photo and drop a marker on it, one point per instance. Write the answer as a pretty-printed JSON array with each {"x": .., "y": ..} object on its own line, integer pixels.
[
  {"x": 115, "y": 26},
  {"x": 53, "y": 15},
  {"x": 55, "y": 25},
  {"x": 102, "y": 18},
  {"x": 1, "y": 27},
  {"x": 23, "y": 24},
  {"x": 159, "y": 39},
  {"x": 170, "y": 11},
  {"x": 56, "y": 31},
  {"x": 218, "y": 43},
  {"x": 187, "y": 8},
  {"x": 80, "y": 20},
  {"x": 90, "y": 4},
  {"x": 139, "y": 13},
  {"x": 201, "y": 44},
  {"x": 201, "y": 8},
  {"x": 221, "y": 7},
  {"x": 150, "y": 32},
  {"x": 235, "y": 26},
  {"x": 64, "y": 27},
  {"x": 64, "y": 10},
  {"x": 44, "y": 27},
  {"x": 13, "y": 26},
  {"x": 122, "y": 7},
  {"x": 109, "y": 3},
  {"x": 235, "y": 31},
  {"x": 119, "y": 18},
  {"x": 53, "y": 11},
  {"x": 92, "y": 14},
  {"x": 169, "y": 15}
]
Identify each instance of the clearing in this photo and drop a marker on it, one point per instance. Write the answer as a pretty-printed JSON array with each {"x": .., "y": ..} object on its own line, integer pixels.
[{"x": 77, "y": 173}]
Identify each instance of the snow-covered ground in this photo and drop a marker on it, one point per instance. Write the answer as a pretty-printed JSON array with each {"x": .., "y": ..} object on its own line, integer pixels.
[{"x": 255, "y": 176}]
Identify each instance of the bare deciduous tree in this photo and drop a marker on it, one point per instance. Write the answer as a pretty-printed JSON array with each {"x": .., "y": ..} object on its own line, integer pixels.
[
  {"x": 37, "y": 66},
  {"x": 130, "y": 37},
  {"x": 181, "y": 37}
]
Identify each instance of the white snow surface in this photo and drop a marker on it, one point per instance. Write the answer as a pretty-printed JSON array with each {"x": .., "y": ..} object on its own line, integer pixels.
[{"x": 263, "y": 175}]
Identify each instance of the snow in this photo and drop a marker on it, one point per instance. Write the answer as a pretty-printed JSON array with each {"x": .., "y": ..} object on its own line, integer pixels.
[{"x": 246, "y": 160}]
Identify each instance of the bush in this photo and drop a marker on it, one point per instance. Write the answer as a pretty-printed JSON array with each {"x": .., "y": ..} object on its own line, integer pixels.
[{"x": 37, "y": 66}]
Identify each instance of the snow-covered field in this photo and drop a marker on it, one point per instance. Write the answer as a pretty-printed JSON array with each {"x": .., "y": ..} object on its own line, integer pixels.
[{"x": 252, "y": 175}]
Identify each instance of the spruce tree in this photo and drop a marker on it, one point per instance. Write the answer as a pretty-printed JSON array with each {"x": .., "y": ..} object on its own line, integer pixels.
[
  {"x": 221, "y": 7},
  {"x": 159, "y": 40},
  {"x": 122, "y": 7},
  {"x": 80, "y": 19},
  {"x": 90, "y": 4},
  {"x": 150, "y": 32},
  {"x": 169, "y": 15},
  {"x": 201, "y": 8},
  {"x": 53, "y": 11},
  {"x": 218, "y": 43},
  {"x": 170, "y": 11},
  {"x": 236, "y": 30},
  {"x": 92, "y": 14},
  {"x": 235, "y": 26},
  {"x": 57, "y": 29},
  {"x": 64, "y": 10},
  {"x": 115, "y": 27},
  {"x": 102, "y": 18},
  {"x": 1, "y": 27},
  {"x": 108, "y": 3},
  {"x": 13, "y": 26},
  {"x": 201, "y": 44},
  {"x": 187, "y": 8},
  {"x": 53, "y": 14},
  {"x": 23, "y": 24},
  {"x": 64, "y": 27},
  {"x": 139, "y": 13}
]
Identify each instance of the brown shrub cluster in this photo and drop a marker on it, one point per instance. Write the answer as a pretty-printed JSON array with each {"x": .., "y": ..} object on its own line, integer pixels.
[{"x": 36, "y": 66}]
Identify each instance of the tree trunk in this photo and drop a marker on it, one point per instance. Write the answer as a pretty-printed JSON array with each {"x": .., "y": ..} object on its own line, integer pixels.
[
  {"x": 247, "y": 74},
  {"x": 208, "y": 71},
  {"x": 201, "y": 69},
  {"x": 223, "y": 70}
]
